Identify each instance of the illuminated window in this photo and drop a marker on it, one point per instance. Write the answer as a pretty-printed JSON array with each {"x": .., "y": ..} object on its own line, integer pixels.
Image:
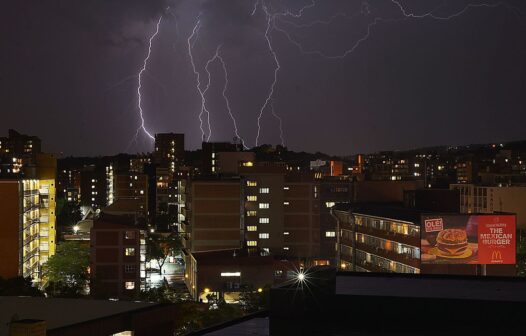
[
  {"x": 329, "y": 204},
  {"x": 264, "y": 190},
  {"x": 286, "y": 233},
  {"x": 252, "y": 228},
  {"x": 264, "y": 205},
  {"x": 231, "y": 274},
  {"x": 251, "y": 213},
  {"x": 286, "y": 188},
  {"x": 330, "y": 234},
  {"x": 286, "y": 203},
  {"x": 248, "y": 164},
  {"x": 264, "y": 236},
  {"x": 129, "y": 285},
  {"x": 252, "y": 243},
  {"x": 264, "y": 220},
  {"x": 252, "y": 184},
  {"x": 129, "y": 252},
  {"x": 286, "y": 248},
  {"x": 252, "y": 198}
]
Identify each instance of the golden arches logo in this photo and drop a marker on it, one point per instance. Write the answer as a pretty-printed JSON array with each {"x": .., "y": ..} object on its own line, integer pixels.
[{"x": 496, "y": 255}]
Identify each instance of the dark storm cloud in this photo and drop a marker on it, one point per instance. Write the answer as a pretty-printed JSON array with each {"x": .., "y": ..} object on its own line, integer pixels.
[
  {"x": 94, "y": 17},
  {"x": 69, "y": 73}
]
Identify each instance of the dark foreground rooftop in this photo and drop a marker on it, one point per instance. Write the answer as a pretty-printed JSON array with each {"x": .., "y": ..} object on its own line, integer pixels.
[
  {"x": 78, "y": 316},
  {"x": 432, "y": 286}
]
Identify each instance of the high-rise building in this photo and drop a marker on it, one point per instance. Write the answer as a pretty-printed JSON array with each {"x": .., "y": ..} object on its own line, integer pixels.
[
  {"x": 210, "y": 155},
  {"x": 134, "y": 187},
  {"x": 27, "y": 238},
  {"x": 212, "y": 215},
  {"x": 490, "y": 199},
  {"x": 169, "y": 150},
  {"x": 17, "y": 151}
]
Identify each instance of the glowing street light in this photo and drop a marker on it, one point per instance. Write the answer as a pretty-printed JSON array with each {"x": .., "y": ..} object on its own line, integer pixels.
[{"x": 301, "y": 276}]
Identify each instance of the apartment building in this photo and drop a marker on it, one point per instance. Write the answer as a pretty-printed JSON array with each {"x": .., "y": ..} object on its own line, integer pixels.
[
  {"x": 132, "y": 186},
  {"x": 27, "y": 239},
  {"x": 212, "y": 216},
  {"x": 16, "y": 152},
  {"x": 169, "y": 150},
  {"x": 210, "y": 155},
  {"x": 489, "y": 199},
  {"x": 387, "y": 238},
  {"x": 118, "y": 256},
  {"x": 376, "y": 238}
]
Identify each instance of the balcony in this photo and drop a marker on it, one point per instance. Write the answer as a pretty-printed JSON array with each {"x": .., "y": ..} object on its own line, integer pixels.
[
  {"x": 389, "y": 235},
  {"x": 390, "y": 255},
  {"x": 371, "y": 267}
]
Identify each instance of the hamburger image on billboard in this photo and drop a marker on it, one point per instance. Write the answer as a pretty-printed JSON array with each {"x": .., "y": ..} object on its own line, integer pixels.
[{"x": 468, "y": 239}]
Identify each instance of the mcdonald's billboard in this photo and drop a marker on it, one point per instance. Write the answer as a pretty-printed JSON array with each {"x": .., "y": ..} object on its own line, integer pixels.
[{"x": 468, "y": 239}]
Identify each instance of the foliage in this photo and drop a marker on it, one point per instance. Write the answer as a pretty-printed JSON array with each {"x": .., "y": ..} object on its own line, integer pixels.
[
  {"x": 163, "y": 294},
  {"x": 67, "y": 270},
  {"x": 160, "y": 247},
  {"x": 193, "y": 316},
  {"x": 253, "y": 301},
  {"x": 18, "y": 286}
]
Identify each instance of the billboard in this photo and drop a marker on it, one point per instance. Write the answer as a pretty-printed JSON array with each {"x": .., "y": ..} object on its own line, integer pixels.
[{"x": 468, "y": 239}]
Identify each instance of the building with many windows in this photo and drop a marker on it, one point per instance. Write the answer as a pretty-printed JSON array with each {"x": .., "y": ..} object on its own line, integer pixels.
[
  {"x": 212, "y": 216},
  {"x": 27, "y": 238},
  {"x": 489, "y": 199},
  {"x": 378, "y": 238},
  {"x": 169, "y": 150},
  {"x": 118, "y": 256}
]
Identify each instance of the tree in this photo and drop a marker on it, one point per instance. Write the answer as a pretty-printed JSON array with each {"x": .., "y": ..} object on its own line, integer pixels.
[
  {"x": 18, "y": 286},
  {"x": 67, "y": 270},
  {"x": 160, "y": 247},
  {"x": 255, "y": 300}
]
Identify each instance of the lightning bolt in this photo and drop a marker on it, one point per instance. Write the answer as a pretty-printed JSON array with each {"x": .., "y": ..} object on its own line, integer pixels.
[
  {"x": 270, "y": 94},
  {"x": 219, "y": 58},
  {"x": 365, "y": 11},
  {"x": 195, "y": 33},
  {"x": 227, "y": 101},
  {"x": 280, "y": 123},
  {"x": 406, "y": 14},
  {"x": 139, "y": 85}
]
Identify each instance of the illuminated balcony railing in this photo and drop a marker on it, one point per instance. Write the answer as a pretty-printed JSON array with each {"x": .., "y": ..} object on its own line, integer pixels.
[
  {"x": 389, "y": 235},
  {"x": 390, "y": 255}
]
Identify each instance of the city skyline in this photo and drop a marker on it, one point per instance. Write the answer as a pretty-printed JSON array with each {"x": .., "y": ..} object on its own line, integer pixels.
[{"x": 447, "y": 79}]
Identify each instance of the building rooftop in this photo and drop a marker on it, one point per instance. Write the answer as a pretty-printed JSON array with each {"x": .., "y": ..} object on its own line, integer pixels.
[
  {"x": 384, "y": 210},
  {"x": 432, "y": 286},
  {"x": 61, "y": 312},
  {"x": 230, "y": 257}
]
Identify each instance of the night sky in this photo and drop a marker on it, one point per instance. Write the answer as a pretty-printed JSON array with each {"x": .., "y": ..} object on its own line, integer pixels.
[{"x": 69, "y": 71}]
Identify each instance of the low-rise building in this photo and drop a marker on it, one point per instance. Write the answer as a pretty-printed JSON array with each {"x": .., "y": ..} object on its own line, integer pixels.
[{"x": 227, "y": 273}]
